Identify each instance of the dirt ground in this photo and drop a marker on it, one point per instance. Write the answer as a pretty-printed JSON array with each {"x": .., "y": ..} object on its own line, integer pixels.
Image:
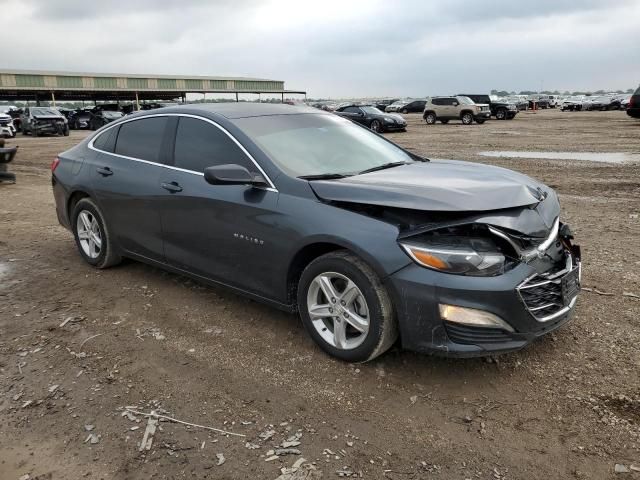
[{"x": 566, "y": 407}]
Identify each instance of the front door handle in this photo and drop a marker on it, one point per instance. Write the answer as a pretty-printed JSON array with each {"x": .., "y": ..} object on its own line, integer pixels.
[
  {"x": 105, "y": 171},
  {"x": 173, "y": 187}
]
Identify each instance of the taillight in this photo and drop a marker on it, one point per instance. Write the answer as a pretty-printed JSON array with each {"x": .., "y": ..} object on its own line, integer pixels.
[{"x": 55, "y": 163}]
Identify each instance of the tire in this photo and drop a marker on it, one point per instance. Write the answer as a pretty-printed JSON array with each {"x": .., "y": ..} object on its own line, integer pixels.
[
  {"x": 501, "y": 114},
  {"x": 480, "y": 121},
  {"x": 430, "y": 118},
  {"x": 467, "y": 118},
  {"x": 65, "y": 132},
  {"x": 106, "y": 256},
  {"x": 405, "y": 111},
  {"x": 445, "y": 121},
  {"x": 371, "y": 303},
  {"x": 376, "y": 126}
]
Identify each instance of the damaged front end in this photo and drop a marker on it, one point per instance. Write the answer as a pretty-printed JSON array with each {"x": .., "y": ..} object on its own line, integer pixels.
[{"x": 481, "y": 282}]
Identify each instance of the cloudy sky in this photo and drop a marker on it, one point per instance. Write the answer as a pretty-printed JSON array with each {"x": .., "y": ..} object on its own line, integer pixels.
[{"x": 337, "y": 48}]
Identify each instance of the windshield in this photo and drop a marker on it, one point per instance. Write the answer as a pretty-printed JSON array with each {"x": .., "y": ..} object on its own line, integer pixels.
[
  {"x": 371, "y": 110},
  {"x": 44, "y": 111},
  {"x": 108, "y": 114},
  {"x": 466, "y": 100},
  {"x": 316, "y": 144}
]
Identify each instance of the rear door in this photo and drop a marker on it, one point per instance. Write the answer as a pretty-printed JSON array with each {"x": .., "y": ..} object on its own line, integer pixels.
[
  {"x": 216, "y": 231},
  {"x": 126, "y": 170}
]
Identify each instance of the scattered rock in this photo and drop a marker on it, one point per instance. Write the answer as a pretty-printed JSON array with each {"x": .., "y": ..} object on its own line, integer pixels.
[
  {"x": 221, "y": 458},
  {"x": 88, "y": 428},
  {"x": 287, "y": 451},
  {"x": 271, "y": 458},
  {"x": 92, "y": 438}
]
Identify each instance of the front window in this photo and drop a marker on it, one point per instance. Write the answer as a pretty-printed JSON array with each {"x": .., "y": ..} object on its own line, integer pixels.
[
  {"x": 108, "y": 114},
  {"x": 312, "y": 144}
]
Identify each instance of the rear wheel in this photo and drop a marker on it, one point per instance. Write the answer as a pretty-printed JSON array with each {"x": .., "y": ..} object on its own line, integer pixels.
[
  {"x": 467, "y": 118},
  {"x": 430, "y": 118},
  {"x": 92, "y": 236},
  {"x": 376, "y": 126},
  {"x": 405, "y": 111},
  {"x": 345, "y": 307},
  {"x": 501, "y": 114}
]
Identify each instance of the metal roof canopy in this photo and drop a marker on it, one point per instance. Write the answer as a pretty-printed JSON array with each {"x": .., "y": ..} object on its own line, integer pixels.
[{"x": 31, "y": 85}]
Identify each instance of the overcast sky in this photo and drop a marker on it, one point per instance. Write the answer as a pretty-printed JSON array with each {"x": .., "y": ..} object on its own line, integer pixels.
[{"x": 337, "y": 48}]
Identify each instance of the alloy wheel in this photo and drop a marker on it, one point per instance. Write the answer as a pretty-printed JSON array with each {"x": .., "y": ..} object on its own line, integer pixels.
[
  {"x": 375, "y": 126},
  {"x": 89, "y": 234},
  {"x": 338, "y": 310}
]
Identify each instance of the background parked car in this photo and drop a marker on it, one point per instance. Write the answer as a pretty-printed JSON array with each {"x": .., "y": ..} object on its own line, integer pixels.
[
  {"x": 501, "y": 109},
  {"x": 634, "y": 105},
  {"x": 407, "y": 106},
  {"x": 602, "y": 103},
  {"x": 79, "y": 119},
  {"x": 99, "y": 118},
  {"x": 372, "y": 118},
  {"x": 383, "y": 104},
  {"x": 7, "y": 129},
  {"x": 573, "y": 103},
  {"x": 455, "y": 108},
  {"x": 41, "y": 120},
  {"x": 15, "y": 114}
]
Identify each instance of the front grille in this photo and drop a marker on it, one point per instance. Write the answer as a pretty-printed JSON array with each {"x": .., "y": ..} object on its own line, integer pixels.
[
  {"x": 469, "y": 335},
  {"x": 542, "y": 293}
]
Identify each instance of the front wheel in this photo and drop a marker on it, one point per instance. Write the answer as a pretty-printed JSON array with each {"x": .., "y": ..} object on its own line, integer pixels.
[
  {"x": 430, "y": 118},
  {"x": 376, "y": 126},
  {"x": 345, "y": 307},
  {"x": 467, "y": 118},
  {"x": 501, "y": 114},
  {"x": 92, "y": 236}
]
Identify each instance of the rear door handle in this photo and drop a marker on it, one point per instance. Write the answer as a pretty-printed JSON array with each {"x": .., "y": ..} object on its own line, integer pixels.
[
  {"x": 105, "y": 171},
  {"x": 173, "y": 187}
]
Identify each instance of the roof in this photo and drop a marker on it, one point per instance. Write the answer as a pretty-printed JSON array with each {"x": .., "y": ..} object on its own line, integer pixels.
[
  {"x": 234, "y": 110},
  {"x": 129, "y": 75}
]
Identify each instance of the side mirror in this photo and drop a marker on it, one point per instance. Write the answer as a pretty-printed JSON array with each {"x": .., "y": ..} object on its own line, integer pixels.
[{"x": 232, "y": 174}]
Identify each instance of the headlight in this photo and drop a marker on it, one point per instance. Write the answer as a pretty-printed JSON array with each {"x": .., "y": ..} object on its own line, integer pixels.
[
  {"x": 458, "y": 251},
  {"x": 389, "y": 120}
]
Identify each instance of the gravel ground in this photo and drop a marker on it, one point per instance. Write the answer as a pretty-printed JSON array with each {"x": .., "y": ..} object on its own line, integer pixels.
[{"x": 79, "y": 345}]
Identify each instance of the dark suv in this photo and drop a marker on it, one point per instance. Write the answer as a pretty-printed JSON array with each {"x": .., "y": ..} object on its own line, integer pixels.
[
  {"x": 634, "y": 105},
  {"x": 501, "y": 109},
  {"x": 372, "y": 118}
]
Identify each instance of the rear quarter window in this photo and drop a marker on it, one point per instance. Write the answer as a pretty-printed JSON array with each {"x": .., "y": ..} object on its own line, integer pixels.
[{"x": 106, "y": 141}]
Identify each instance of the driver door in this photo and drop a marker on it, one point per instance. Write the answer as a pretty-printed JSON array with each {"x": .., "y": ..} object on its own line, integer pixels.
[{"x": 216, "y": 231}]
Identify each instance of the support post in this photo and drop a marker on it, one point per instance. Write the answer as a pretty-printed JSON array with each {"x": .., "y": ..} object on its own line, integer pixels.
[
  {"x": 282, "y": 97},
  {"x": 137, "y": 102},
  {"x": 236, "y": 96},
  {"x": 53, "y": 98}
]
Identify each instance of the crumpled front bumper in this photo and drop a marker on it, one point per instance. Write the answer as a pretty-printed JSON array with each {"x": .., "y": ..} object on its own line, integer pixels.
[{"x": 418, "y": 292}]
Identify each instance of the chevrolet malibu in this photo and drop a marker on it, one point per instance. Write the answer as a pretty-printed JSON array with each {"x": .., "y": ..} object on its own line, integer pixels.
[{"x": 311, "y": 213}]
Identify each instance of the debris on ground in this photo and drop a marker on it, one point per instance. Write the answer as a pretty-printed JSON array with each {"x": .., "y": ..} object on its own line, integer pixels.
[
  {"x": 221, "y": 458},
  {"x": 147, "y": 438},
  {"x": 92, "y": 438},
  {"x": 156, "y": 415},
  {"x": 619, "y": 468}
]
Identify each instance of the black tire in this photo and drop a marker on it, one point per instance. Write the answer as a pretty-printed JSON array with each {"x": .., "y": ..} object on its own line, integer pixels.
[
  {"x": 501, "y": 114},
  {"x": 480, "y": 121},
  {"x": 65, "y": 132},
  {"x": 444, "y": 121},
  {"x": 405, "y": 111},
  {"x": 430, "y": 118},
  {"x": 376, "y": 126},
  {"x": 467, "y": 118},
  {"x": 383, "y": 330},
  {"x": 108, "y": 255}
]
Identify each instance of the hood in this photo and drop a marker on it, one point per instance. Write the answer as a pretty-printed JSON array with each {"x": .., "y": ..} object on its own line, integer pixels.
[
  {"x": 438, "y": 185},
  {"x": 395, "y": 116}
]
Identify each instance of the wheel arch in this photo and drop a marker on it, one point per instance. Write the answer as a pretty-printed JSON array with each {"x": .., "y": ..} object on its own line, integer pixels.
[
  {"x": 465, "y": 111},
  {"x": 73, "y": 200},
  {"x": 309, "y": 252}
]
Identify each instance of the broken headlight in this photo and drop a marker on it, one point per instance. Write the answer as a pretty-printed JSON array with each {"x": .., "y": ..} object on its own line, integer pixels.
[{"x": 458, "y": 250}]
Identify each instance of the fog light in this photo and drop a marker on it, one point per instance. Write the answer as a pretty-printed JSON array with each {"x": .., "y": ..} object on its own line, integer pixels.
[{"x": 472, "y": 317}]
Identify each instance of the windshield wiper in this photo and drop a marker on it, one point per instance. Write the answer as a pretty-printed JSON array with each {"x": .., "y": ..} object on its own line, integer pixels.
[
  {"x": 323, "y": 176},
  {"x": 384, "y": 166}
]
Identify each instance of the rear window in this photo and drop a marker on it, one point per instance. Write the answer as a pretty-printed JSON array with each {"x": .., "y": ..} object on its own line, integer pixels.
[{"x": 142, "y": 138}]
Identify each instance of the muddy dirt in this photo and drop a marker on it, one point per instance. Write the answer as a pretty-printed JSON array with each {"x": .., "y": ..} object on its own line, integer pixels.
[{"x": 78, "y": 345}]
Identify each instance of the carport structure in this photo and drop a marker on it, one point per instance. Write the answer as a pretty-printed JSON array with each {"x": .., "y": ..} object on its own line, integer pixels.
[{"x": 36, "y": 86}]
